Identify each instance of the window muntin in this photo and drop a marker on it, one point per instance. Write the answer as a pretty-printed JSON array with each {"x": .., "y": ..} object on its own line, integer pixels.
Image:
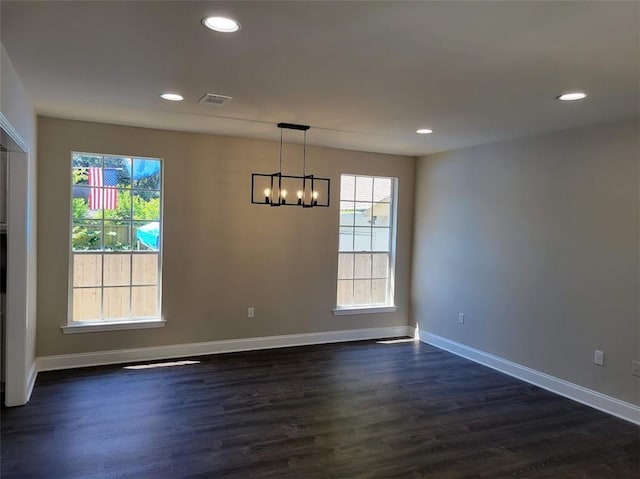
[
  {"x": 116, "y": 224},
  {"x": 366, "y": 241}
]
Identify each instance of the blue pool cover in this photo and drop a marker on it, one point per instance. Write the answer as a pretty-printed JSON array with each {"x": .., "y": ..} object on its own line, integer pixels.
[
  {"x": 143, "y": 168},
  {"x": 149, "y": 234}
]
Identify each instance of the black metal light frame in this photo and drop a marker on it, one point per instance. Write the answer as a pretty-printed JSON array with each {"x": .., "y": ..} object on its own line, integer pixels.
[{"x": 275, "y": 179}]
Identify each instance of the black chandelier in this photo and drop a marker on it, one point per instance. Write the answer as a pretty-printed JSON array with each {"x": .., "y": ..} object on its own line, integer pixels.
[{"x": 273, "y": 189}]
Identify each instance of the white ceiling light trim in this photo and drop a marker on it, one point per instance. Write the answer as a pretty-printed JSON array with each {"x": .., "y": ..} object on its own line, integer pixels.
[
  {"x": 221, "y": 24},
  {"x": 171, "y": 96},
  {"x": 572, "y": 96},
  {"x": 424, "y": 131}
]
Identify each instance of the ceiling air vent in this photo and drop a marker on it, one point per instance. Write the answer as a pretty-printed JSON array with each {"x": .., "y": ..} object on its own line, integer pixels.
[{"x": 213, "y": 99}]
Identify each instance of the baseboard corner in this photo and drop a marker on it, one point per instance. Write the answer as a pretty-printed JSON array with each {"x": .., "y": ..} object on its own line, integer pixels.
[{"x": 597, "y": 400}]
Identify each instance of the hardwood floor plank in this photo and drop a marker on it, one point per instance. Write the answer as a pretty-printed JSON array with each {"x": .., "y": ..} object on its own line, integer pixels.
[{"x": 350, "y": 410}]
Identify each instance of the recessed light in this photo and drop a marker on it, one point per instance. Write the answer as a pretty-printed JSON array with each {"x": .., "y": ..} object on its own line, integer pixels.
[
  {"x": 171, "y": 97},
  {"x": 221, "y": 24},
  {"x": 424, "y": 131},
  {"x": 572, "y": 96}
]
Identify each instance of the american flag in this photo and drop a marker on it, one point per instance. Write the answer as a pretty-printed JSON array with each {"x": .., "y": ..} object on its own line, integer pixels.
[{"x": 103, "y": 194}]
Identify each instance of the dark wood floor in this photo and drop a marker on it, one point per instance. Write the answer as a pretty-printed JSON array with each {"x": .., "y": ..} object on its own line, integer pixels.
[{"x": 351, "y": 410}]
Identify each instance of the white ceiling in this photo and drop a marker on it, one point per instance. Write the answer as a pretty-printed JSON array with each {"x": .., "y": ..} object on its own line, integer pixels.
[{"x": 364, "y": 74}]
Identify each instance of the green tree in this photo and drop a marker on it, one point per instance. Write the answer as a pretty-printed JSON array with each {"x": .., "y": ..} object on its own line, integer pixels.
[
  {"x": 80, "y": 208},
  {"x": 142, "y": 209}
]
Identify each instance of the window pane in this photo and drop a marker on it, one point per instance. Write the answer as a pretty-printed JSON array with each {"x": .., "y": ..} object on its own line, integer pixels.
[
  {"x": 346, "y": 239},
  {"x": 116, "y": 236},
  {"x": 146, "y": 174},
  {"x": 362, "y": 266},
  {"x": 145, "y": 269},
  {"x": 86, "y": 236},
  {"x": 347, "y": 187},
  {"x": 379, "y": 291},
  {"x": 379, "y": 214},
  {"x": 87, "y": 270},
  {"x": 86, "y": 304},
  {"x": 146, "y": 205},
  {"x": 382, "y": 190},
  {"x": 117, "y": 269},
  {"x": 121, "y": 168},
  {"x": 144, "y": 301},
  {"x": 99, "y": 199},
  {"x": 117, "y": 204},
  {"x": 345, "y": 266},
  {"x": 362, "y": 291},
  {"x": 345, "y": 293},
  {"x": 361, "y": 218},
  {"x": 347, "y": 211},
  {"x": 364, "y": 188},
  {"x": 80, "y": 202},
  {"x": 80, "y": 165},
  {"x": 362, "y": 239},
  {"x": 381, "y": 239},
  {"x": 380, "y": 266},
  {"x": 146, "y": 235},
  {"x": 115, "y": 303}
]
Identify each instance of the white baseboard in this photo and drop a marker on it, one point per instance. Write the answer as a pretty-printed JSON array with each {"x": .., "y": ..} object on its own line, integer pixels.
[
  {"x": 608, "y": 404},
  {"x": 99, "y": 358}
]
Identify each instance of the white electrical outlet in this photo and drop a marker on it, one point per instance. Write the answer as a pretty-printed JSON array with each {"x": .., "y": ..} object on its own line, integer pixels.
[
  {"x": 635, "y": 368},
  {"x": 251, "y": 312},
  {"x": 598, "y": 357},
  {"x": 461, "y": 318}
]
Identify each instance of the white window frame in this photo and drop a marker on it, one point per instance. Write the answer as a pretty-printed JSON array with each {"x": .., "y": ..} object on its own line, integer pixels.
[
  {"x": 99, "y": 325},
  {"x": 390, "y": 306}
]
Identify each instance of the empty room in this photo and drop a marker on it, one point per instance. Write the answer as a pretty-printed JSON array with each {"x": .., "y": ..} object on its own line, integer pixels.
[{"x": 320, "y": 239}]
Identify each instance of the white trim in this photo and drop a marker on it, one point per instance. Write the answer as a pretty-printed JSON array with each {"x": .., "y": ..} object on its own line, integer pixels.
[
  {"x": 602, "y": 402},
  {"x": 66, "y": 361},
  {"x": 94, "y": 327},
  {"x": 364, "y": 310},
  {"x": 18, "y": 336},
  {"x": 102, "y": 252},
  {"x": 31, "y": 380},
  {"x": 6, "y": 125}
]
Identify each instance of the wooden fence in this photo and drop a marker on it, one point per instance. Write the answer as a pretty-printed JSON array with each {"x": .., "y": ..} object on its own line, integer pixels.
[{"x": 119, "y": 285}]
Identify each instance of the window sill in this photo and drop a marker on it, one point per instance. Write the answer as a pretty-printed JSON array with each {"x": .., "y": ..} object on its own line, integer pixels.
[
  {"x": 364, "y": 310},
  {"x": 95, "y": 327}
]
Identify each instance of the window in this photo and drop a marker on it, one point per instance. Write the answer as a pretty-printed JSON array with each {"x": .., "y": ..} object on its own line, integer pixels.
[
  {"x": 367, "y": 242},
  {"x": 116, "y": 209}
]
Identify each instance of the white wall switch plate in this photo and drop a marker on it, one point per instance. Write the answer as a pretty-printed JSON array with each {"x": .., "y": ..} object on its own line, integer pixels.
[
  {"x": 598, "y": 357},
  {"x": 251, "y": 312},
  {"x": 635, "y": 368},
  {"x": 461, "y": 318}
]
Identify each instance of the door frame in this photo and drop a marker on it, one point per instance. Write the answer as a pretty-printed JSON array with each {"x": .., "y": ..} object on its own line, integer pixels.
[{"x": 20, "y": 371}]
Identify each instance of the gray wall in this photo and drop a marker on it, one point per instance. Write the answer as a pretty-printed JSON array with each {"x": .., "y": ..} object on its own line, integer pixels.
[
  {"x": 536, "y": 241},
  {"x": 221, "y": 254}
]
